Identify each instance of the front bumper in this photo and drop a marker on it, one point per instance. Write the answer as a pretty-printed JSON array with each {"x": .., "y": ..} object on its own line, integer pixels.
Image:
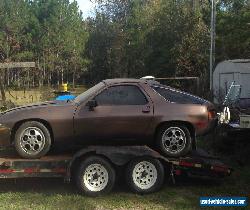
[{"x": 4, "y": 135}]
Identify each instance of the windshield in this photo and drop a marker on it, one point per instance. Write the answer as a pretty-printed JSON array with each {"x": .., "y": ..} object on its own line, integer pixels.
[
  {"x": 85, "y": 95},
  {"x": 233, "y": 94}
]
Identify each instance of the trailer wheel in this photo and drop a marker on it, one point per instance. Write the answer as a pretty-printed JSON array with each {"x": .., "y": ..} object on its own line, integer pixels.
[
  {"x": 32, "y": 140},
  {"x": 95, "y": 176},
  {"x": 174, "y": 141},
  {"x": 145, "y": 175}
]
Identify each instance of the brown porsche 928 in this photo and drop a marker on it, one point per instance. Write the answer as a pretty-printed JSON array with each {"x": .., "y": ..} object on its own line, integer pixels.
[{"x": 115, "y": 111}]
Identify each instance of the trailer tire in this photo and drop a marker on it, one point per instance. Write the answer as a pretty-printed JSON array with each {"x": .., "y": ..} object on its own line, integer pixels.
[
  {"x": 174, "y": 140},
  {"x": 145, "y": 175},
  {"x": 95, "y": 176},
  {"x": 32, "y": 140}
]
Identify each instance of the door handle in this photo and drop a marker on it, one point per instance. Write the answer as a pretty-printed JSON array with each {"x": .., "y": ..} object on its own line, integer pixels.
[{"x": 146, "y": 109}]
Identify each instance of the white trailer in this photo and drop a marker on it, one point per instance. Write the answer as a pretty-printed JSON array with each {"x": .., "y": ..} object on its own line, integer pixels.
[{"x": 229, "y": 71}]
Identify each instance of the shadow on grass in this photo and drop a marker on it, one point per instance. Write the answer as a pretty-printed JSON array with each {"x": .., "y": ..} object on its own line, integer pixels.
[
  {"x": 53, "y": 193},
  {"x": 179, "y": 196},
  {"x": 57, "y": 185},
  {"x": 44, "y": 185}
]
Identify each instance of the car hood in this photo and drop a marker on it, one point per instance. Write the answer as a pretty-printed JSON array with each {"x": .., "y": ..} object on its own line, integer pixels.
[{"x": 38, "y": 105}]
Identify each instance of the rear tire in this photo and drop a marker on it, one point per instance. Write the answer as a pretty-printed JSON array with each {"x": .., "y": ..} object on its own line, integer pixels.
[
  {"x": 32, "y": 140},
  {"x": 95, "y": 176},
  {"x": 174, "y": 140},
  {"x": 145, "y": 175}
]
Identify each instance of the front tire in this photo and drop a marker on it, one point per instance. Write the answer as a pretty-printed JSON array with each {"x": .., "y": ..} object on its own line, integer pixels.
[
  {"x": 95, "y": 176},
  {"x": 32, "y": 140},
  {"x": 174, "y": 140},
  {"x": 145, "y": 175}
]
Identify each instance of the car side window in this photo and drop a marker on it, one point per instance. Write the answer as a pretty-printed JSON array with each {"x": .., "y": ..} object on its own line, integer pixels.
[
  {"x": 178, "y": 96},
  {"x": 121, "y": 95}
]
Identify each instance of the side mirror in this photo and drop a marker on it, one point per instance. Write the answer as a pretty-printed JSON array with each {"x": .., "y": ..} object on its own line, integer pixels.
[{"x": 91, "y": 104}]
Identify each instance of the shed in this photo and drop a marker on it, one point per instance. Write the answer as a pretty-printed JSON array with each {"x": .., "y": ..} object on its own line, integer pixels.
[{"x": 228, "y": 71}]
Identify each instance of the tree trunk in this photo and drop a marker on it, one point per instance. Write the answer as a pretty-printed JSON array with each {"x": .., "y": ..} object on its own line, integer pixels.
[
  {"x": 58, "y": 78},
  {"x": 44, "y": 70},
  {"x": 2, "y": 90},
  {"x": 62, "y": 76},
  {"x": 49, "y": 77},
  {"x": 8, "y": 77},
  {"x": 18, "y": 79},
  {"x": 74, "y": 74},
  {"x": 28, "y": 78},
  {"x": 33, "y": 78}
]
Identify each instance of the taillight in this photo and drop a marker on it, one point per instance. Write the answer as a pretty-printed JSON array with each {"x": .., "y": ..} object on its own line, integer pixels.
[{"x": 211, "y": 114}]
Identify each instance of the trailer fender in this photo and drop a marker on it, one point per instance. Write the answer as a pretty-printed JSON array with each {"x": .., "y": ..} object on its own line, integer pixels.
[{"x": 117, "y": 155}]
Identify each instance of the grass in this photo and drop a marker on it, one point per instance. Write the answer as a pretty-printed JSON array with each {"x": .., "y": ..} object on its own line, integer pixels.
[
  {"x": 21, "y": 97},
  {"x": 24, "y": 97},
  {"x": 54, "y": 194}
]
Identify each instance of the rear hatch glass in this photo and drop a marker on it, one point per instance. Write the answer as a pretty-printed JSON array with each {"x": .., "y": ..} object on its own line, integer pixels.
[{"x": 176, "y": 96}]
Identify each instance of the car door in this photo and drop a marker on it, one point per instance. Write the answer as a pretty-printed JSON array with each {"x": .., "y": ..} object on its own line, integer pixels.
[{"x": 123, "y": 112}]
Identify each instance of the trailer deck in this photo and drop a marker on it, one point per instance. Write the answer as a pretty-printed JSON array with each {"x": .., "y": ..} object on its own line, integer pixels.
[{"x": 198, "y": 162}]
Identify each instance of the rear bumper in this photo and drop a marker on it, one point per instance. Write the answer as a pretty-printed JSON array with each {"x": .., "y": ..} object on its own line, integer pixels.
[
  {"x": 212, "y": 124},
  {"x": 4, "y": 135}
]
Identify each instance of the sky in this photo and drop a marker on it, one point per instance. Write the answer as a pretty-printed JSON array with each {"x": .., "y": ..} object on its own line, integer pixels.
[{"x": 86, "y": 6}]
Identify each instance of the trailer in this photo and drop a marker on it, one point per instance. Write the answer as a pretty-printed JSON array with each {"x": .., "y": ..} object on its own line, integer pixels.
[{"x": 95, "y": 169}]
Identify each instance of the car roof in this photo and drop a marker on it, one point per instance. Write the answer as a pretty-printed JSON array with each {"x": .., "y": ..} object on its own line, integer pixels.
[
  {"x": 122, "y": 80},
  {"x": 128, "y": 80}
]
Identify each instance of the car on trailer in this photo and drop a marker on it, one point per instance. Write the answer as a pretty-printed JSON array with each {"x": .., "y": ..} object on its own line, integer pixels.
[{"x": 115, "y": 111}]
